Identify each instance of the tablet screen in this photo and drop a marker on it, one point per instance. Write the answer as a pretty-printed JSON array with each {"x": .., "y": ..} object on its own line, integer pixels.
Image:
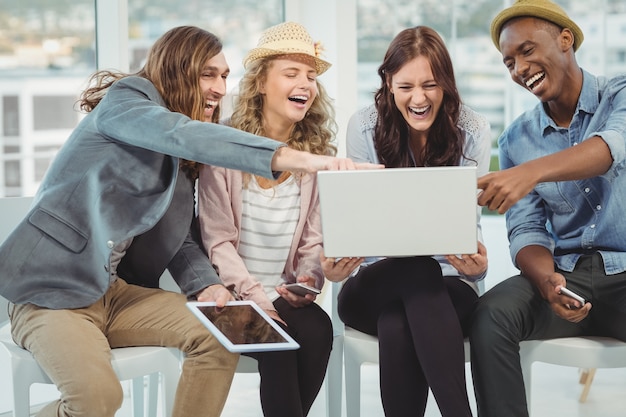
[{"x": 241, "y": 326}]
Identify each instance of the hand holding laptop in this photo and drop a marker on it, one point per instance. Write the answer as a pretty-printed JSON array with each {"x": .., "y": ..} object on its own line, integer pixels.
[
  {"x": 337, "y": 269},
  {"x": 470, "y": 264}
]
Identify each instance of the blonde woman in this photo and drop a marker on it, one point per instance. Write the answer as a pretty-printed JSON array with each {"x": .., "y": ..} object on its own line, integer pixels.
[{"x": 261, "y": 234}]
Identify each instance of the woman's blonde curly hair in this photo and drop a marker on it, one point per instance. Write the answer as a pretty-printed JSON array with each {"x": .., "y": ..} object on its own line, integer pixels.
[{"x": 315, "y": 133}]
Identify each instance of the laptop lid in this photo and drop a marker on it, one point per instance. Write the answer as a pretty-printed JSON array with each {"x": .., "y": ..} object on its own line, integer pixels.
[{"x": 398, "y": 212}]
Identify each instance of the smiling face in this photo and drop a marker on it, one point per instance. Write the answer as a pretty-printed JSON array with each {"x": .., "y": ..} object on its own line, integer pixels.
[
  {"x": 289, "y": 89},
  {"x": 536, "y": 54},
  {"x": 213, "y": 83},
  {"x": 417, "y": 95}
]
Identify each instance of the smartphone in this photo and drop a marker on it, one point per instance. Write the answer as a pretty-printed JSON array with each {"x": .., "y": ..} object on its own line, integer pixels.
[
  {"x": 573, "y": 295},
  {"x": 302, "y": 289}
]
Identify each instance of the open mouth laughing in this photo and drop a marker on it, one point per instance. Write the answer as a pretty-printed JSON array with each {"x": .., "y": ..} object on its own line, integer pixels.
[
  {"x": 299, "y": 99},
  {"x": 419, "y": 111},
  {"x": 534, "y": 81}
]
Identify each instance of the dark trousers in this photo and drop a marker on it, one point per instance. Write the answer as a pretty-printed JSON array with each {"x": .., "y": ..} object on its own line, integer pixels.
[
  {"x": 419, "y": 318},
  {"x": 514, "y": 310},
  {"x": 291, "y": 379}
]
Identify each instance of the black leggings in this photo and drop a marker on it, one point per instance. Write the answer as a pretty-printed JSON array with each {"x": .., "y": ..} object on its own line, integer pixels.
[
  {"x": 420, "y": 319},
  {"x": 291, "y": 379}
]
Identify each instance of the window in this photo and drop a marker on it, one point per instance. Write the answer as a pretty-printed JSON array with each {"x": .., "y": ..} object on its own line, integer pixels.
[
  {"x": 238, "y": 23},
  {"x": 46, "y": 54},
  {"x": 483, "y": 81},
  {"x": 54, "y": 112},
  {"x": 464, "y": 26},
  {"x": 10, "y": 119},
  {"x": 12, "y": 173}
]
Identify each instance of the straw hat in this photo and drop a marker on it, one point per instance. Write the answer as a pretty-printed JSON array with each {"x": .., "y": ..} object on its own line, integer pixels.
[
  {"x": 285, "y": 39},
  {"x": 541, "y": 9}
]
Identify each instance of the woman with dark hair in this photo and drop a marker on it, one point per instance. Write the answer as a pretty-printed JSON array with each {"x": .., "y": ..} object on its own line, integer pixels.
[
  {"x": 417, "y": 306},
  {"x": 114, "y": 208}
]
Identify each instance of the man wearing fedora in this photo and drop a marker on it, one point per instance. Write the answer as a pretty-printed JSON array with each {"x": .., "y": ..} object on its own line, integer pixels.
[{"x": 564, "y": 198}]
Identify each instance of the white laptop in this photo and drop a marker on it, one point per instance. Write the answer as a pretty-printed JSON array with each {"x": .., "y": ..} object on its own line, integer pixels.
[{"x": 399, "y": 211}]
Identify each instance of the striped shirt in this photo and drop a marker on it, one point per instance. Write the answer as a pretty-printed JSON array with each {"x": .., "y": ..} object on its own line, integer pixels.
[{"x": 269, "y": 218}]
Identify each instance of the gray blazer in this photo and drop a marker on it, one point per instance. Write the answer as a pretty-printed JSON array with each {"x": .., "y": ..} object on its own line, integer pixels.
[
  {"x": 173, "y": 243},
  {"x": 114, "y": 179}
]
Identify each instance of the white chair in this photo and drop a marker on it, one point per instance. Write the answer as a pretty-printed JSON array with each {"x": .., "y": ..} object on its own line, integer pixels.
[
  {"x": 578, "y": 352},
  {"x": 129, "y": 363}
]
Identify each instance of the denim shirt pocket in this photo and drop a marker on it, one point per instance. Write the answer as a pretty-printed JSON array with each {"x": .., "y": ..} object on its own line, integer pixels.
[{"x": 554, "y": 197}]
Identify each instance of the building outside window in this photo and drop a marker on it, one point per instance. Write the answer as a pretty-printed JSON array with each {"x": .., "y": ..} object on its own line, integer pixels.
[{"x": 47, "y": 53}]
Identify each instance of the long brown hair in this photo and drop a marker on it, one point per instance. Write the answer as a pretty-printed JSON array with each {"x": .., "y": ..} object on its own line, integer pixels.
[
  {"x": 391, "y": 134},
  {"x": 174, "y": 65}
]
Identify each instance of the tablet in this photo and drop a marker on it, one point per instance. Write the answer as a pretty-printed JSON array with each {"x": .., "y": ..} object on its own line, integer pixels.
[{"x": 242, "y": 326}]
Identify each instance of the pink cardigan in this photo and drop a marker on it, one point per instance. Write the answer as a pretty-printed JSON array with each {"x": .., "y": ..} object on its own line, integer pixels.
[{"x": 219, "y": 212}]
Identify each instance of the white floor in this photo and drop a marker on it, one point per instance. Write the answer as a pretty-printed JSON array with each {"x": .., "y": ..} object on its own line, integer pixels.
[{"x": 555, "y": 393}]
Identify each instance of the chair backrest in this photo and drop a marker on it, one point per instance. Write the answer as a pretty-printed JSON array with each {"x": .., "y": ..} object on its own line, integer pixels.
[{"x": 12, "y": 211}]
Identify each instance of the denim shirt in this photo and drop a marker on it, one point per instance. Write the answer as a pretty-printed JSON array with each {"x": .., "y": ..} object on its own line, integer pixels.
[{"x": 572, "y": 218}]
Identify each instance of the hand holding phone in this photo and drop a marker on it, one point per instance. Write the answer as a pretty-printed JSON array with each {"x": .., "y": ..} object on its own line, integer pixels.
[
  {"x": 302, "y": 289},
  {"x": 573, "y": 295}
]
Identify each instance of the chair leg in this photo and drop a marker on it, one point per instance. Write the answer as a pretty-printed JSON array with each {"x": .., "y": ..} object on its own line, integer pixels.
[
  {"x": 21, "y": 395},
  {"x": 586, "y": 378},
  {"x": 169, "y": 382},
  {"x": 353, "y": 386},
  {"x": 153, "y": 394},
  {"x": 137, "y": 396},
  {"x": 527, "y": 367},
  {"x": 334, "y": 379}
]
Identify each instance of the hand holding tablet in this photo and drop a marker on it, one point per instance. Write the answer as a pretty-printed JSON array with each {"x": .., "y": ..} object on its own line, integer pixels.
[{"x": 242, "y": 326}]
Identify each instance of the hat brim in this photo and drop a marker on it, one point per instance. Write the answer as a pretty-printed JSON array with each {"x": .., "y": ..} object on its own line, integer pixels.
[
  {"x": 321, "y": 66},
  {"x": 536, "y": 11}
]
